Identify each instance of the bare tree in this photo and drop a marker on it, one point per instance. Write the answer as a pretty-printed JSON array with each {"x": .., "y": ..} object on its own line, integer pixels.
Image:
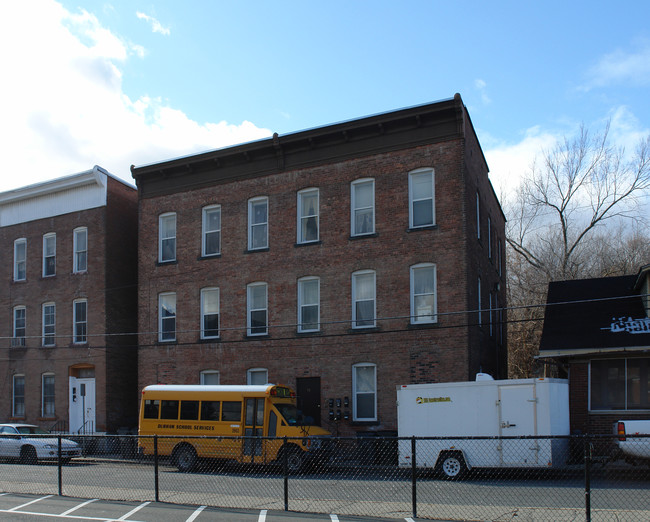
[{"x": 575, "y": 215}]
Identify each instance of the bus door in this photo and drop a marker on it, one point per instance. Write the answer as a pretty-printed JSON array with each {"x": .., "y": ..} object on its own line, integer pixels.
[{"x": 253, "y": 427}]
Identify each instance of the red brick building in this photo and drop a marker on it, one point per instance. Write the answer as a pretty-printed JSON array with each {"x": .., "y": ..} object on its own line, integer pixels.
[
  {"x": 343, "y": 261},
  {"x": 69, "y": 298}
]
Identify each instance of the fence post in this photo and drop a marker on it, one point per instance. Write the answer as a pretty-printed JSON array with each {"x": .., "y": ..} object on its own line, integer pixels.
[
  {"x": 60, "y": 465},
  {"x": 414, "y": 500},
  {"x": 155, "y": 468},
  {"x": 587, "y": 459},
  {"x": 285, "y": 471}
]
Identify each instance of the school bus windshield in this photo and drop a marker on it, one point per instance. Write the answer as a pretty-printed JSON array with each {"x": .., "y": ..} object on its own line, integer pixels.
[{"x": 293, "y": 415}]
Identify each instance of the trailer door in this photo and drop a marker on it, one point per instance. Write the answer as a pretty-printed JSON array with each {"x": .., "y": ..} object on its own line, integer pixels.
[{"x": 517, "y": 418}]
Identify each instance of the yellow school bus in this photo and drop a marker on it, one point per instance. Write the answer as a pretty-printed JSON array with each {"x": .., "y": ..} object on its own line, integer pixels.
[{"x": 223, "y": 422}]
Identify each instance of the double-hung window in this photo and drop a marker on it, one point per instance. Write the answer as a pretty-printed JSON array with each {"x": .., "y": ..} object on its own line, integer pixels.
[
  {"x": 423, "y": 293},
  {"x": 167, "y": 237},
  {"x": 308, "y": 215},
  {"x": 619, "y": 384},
  {"x": 80, "y": 247},
  {"x": 363, "y": 207},
  {"x": 421, "y": 198},
  {"x": 257, "y": 376},
  {"x": 20, "y": 324},
  {"x": 80, "y": 321},
  {"x": 49, "y": 255},
  {"x": 209, "y": 313},
  {"x": 167, "y": 317},
  {"x": 211, "y": 244},
  {"x": 49, "y": 324},
  {"x": 308, "y": 304},
  {"x": 364, "y": 388},
  {"x": 18, "y": 399},
  {"x": 257, "y": 305},
  {"x": 210, "y": 377},
  {"x": 20, "y": 259},
  {"x": 258, "y": 223},
  {"x": 363, "y": 299},
  {"x": 47, "y": 395}
]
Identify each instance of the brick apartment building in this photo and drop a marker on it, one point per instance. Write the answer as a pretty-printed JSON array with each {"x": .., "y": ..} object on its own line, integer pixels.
[
  {"x": 70, "y": 277},
  {"x": 343, "y": 261}
]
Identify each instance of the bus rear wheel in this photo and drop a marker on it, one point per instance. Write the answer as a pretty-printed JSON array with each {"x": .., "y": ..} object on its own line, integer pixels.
[
  {"x": 294, "y": 458},
  {"x": 185, "y": 458}
]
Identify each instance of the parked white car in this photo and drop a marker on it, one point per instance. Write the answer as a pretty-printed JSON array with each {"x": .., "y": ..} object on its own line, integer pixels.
[
  {"x": 633, "y": 448},
  {"x": 18, "y": 441}
]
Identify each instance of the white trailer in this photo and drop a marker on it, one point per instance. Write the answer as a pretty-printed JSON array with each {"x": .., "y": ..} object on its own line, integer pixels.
[{"x": 484, "y": 408}]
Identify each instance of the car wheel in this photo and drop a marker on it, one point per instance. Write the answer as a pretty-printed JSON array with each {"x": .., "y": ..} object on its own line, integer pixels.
[
  {"x": 185, "y": 458},
  {"x": 452, "y": 466},
  {"x": 28, "y": 455}
]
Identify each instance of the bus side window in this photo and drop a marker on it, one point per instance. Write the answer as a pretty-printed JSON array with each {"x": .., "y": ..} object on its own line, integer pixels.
[
  {"x": 169, "y": 410},
  {"x": 231, "y": 411},
  {"x": 151, "y": 408},
  {"x": 273, "y": 423},
  {"x": 210, "y": 410},
  {"x": 189, "y": 410}
]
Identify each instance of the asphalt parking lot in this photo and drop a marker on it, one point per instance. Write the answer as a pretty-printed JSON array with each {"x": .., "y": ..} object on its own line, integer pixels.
[{"x": 46, "y": 508}]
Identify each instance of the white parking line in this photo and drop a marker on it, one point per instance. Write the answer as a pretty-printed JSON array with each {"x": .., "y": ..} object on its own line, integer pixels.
[
  {"x": 334, "y": 518},
  {"x": 409, "y": 519},
  {"x": 78, "y": 507},
  {"x": 262, "y": 516},
  {"x": 134, "y": 510},
  {"x": 195, "y": 514},
  {"x": 28, "y": 503}
]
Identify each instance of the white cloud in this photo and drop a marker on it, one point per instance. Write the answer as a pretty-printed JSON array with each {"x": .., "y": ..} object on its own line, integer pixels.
[
  {"x": 63, "y": 108},
  {"x": 156, "y": 26},
  {"x": 481, "y": 86},
  {"x": 621, "y": 67}
]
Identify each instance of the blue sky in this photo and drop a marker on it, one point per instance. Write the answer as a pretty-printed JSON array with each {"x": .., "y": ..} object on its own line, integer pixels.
[{"x": 120, "y": 82}]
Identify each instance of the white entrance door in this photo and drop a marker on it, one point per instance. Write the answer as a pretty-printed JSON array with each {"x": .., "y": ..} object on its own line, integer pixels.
[
  {"x": 517, "y": 413},
  {"x": 82, "y": 405}
]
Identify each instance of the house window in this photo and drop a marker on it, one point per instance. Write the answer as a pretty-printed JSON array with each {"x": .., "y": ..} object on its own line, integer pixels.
[
  {"x": 423, "y": 293},
  {"x": 258, "y": 223},
  {"x": 49, "y": 324},
  {"x": 18, "y": 399},
  {"x": 363, "y": 207},
  {"x": 209, "y": 313},
  {"x": 49, "y": 255},
  {"x": 257, "y": 304},
  {"x": 210, "y": 377},
  {"x": 478, "y": 216},
  {"x": 363, "y": 299},
  {"x": 20, "y": 259},
  {"x": 257, "y": 376},
  {"x": 80, "y": 321},
  {"x": 20, "y": 324},
  {"x": 167, "y": 237},
  {"x": 620, "y": 384},
  {"x": 421, "y": 198},
  {"x": 167, "y": 317},
  {"x": 47, "y": 398},
  {"x": 211, "y": 231},
  {"x": 80, "y": 247},
  {"x": 308, "y": 215},
  {"x": 308, "y": 304},
  {"x": 364, "y": 386}
]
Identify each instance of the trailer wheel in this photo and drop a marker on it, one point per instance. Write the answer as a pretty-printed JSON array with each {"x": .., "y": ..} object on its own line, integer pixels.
[
  {"x": 185, "y": 458},
  {"x": 451, "y": 465}
]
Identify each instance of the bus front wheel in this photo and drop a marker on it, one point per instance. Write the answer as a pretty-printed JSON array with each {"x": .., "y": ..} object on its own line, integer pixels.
[
  {"x": 185, "y": 457},
  {"x": 294, "y": 458}
]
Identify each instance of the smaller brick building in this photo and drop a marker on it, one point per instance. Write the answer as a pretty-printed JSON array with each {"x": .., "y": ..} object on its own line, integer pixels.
[
  {"x": 69, "y": 303},
  {"x": 343, "y": 261}
]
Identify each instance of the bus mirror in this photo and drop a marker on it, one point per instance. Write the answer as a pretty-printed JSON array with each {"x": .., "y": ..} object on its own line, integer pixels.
[
  {"x": 338, "y": 403},
  {"x": 338, "y": 414},
  {"x": 331, "y": 415},
  {"x": 331, "y": 403},
  {"x": 346, "y": 415},
  {"x": 346, "y": 402}
]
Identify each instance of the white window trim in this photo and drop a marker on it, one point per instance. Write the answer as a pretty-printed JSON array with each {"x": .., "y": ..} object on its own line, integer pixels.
[
  {"x": 412, "y": 199},
  {"x": 204, "y": 291},
  {"x": 43, "y": 413},
  {"x": 75, "y": 321},
  {"x": 21, "y": 241},
  {"x": 75, "y": 251},
  {"x": 24, "y": 309},
  {"x": 205, "y": 231},
  {"x": 251, "y": 203},
  {"x": 162, "y": 217},
  {"x": 354, "y": 299},
  {"x": 209, "y": 372},
  {"x": 301, "y": 193},
  {"x": 353, "y": 207},
  {"x": 13, "y": 395},
  {"x": 249, "y": 308},
  {"x": 355, "y": 416},
  {"x": 43, "y": 335},
  {"x": 46, "y": 237},
  {"x": 302, "y": 281},
  {"x": 414, "y": 316},
  {"x": 251, "y": 371},
  {"x": 161, "y": 296}
]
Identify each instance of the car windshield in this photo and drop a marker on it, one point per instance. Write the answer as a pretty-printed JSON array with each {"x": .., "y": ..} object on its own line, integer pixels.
[
  {"x": 31, "y": 430},
  {"x": 293, "y": 415}
]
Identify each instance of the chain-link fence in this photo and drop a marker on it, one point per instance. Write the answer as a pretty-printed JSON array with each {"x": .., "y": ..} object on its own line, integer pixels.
[{"x": 488, "y": 478}]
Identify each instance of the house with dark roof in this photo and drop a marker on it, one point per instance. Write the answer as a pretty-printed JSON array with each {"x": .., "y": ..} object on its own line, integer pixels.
[{"x": 598, "y": 330}]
